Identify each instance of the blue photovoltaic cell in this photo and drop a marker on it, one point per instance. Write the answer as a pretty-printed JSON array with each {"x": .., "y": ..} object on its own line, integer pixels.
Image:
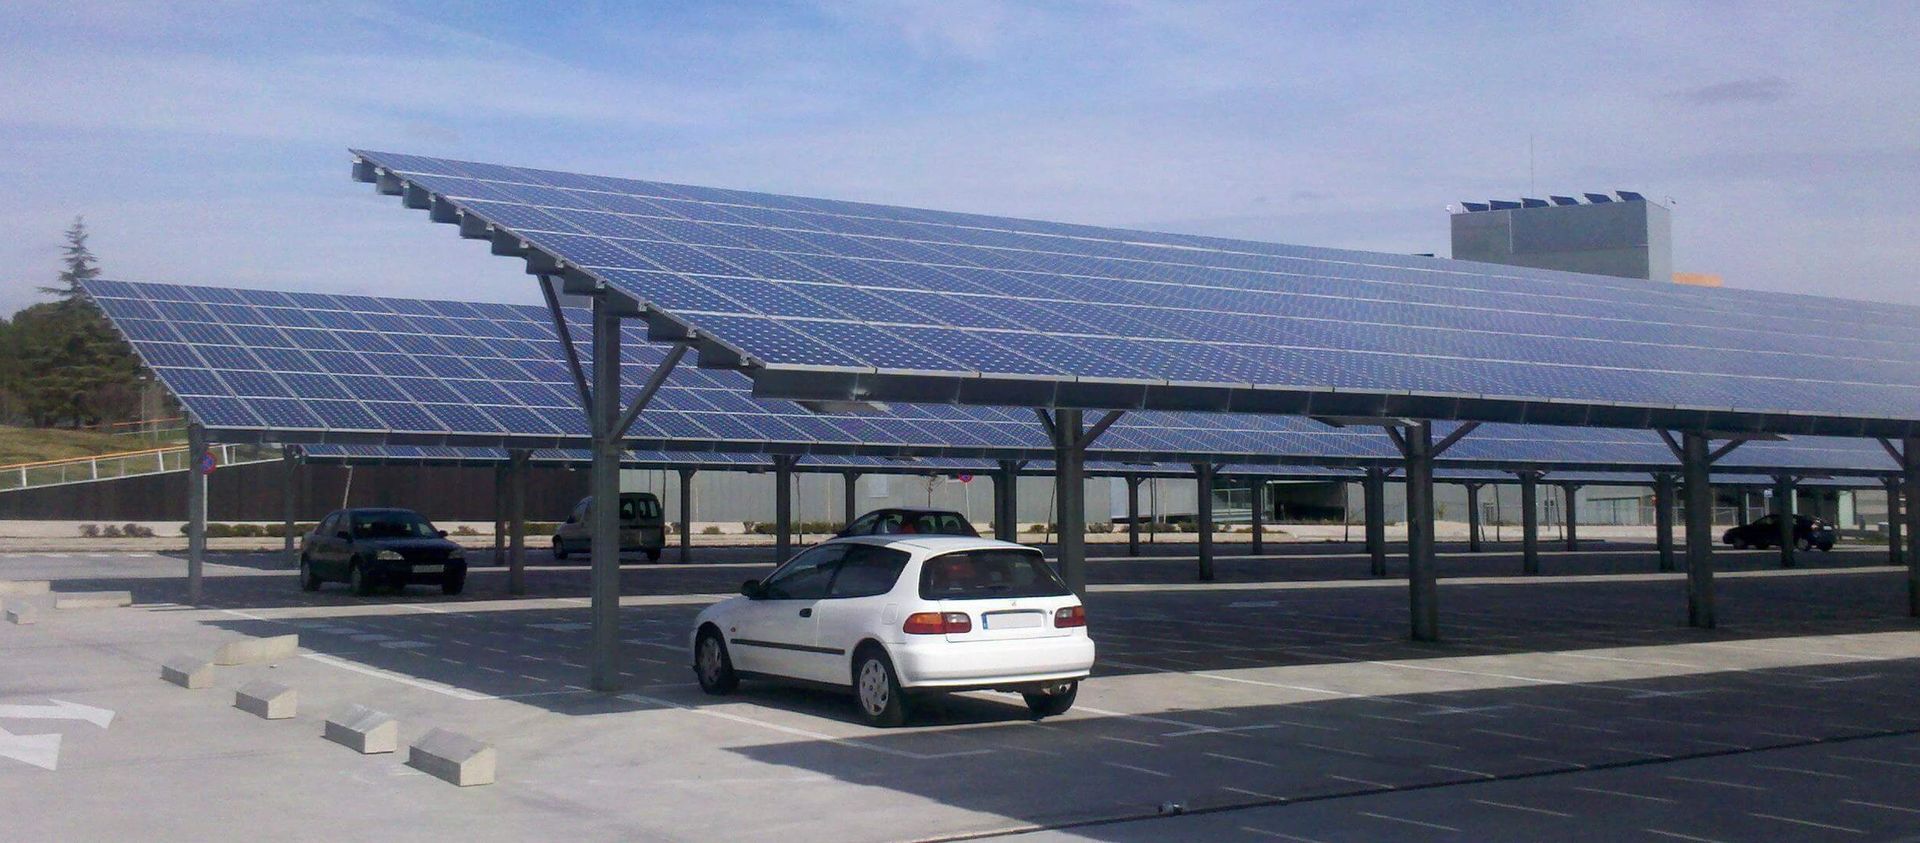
[
  {"x": 1432, "y": 325},
  {"x": 516, "y": 383}
]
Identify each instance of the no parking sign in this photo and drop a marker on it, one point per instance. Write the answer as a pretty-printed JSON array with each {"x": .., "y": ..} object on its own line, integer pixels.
[{"x": 207, "y": 463}]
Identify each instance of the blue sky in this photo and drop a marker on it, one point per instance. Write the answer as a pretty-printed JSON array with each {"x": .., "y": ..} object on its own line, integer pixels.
[{"x": 206, "y": 143}]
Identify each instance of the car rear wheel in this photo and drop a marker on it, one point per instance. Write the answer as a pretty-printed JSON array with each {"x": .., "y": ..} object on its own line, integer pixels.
[
  {"x": 1802, "y": 544},
  {"x": 360, "y": 581},
  {"x": 453, "y": 583},
  {"x": 309, "y": 581},
  {"x": 1053, "y": 701},
  {"x": 1739, "y": 542},
  {"x": 559, "y": 548},
  {"x": 653, "y": 554},
  {"x": 882, "y": 702},
  {"x": 713, "y": 666}
]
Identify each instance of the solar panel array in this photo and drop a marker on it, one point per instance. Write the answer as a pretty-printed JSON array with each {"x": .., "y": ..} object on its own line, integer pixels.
[
  {"x": 799, "y": 283},
  {"x": 280, "y": 366}
]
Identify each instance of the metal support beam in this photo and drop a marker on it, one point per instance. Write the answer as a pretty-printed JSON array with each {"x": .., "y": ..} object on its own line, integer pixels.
[
  {"x": 1699, "y": 490},
  {"x": 1203, "y": 473},
  {"x": 196, "y": 511},
  {"x": 1473, "y": 517},
  {"x": 1070, "y": 496},
  {"x": 652, "y": 387},
  {"x": 1006, "y": 501},
  {"x": 782, "y": 507},
  {"x": 1570, "y": 494},
  {"x": 499, "y": 513},
  {"x": 289, "y": 503},
  {"x": 1740, "y": 511},
  {"x": 1133, "y": 514},
  {"x": 1530, "y": 522},
  {"x": 849, "y": 498},
  {"x": 517, "y": 464},
  {"x": 1896, "y": 546},
  {"x": 1374, "y": 489},
  {"x": 1910, "y": 483},
  {"x": 565, "y": 335},
  {"x": 604, "y": 589},
  {"x": 1663, "y": 492},
  {"x": 1783, "y": 512},
  {"x": 686, "y": 514},
  {"x": 1258, "y": 515},
  {"x": 1422, "y": 576}
]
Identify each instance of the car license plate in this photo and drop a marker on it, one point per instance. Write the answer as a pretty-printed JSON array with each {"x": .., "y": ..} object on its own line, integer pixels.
[
  {"x": 429, "y": 569},
  {"x": 1012, "y": 620}
]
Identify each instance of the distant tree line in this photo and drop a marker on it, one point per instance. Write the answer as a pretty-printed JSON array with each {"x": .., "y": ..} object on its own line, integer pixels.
[{"x": 61, "y": 363}]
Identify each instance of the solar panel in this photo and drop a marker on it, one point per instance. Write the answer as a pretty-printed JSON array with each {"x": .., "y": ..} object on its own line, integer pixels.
[
  {"x": 1598, "y": 198},
  {"x": 822, "y": 298},
  {"x": 512, "y": 390},
  {"x": 1564, "y": 200},
  {"x": 1504, "y": 204},
  {"x": 1475, "y": 207},
  {"x": 1630, "y": 196}
]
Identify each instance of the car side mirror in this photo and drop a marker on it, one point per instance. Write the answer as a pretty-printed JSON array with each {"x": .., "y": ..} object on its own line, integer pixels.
[
  {"x": 344, "y": 535},
  {"x": 753, "y": 590},
  {"x": 572, "y": 520},
  {"x": 443, "y": 533}
]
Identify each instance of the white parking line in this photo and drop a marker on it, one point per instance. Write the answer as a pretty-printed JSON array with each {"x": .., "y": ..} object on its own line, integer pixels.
[
  {"x": 1801, "y": 772},
  {"x": 1678, "y": 836},
  {"x": 1881, "y": 805},
  {"x": 1512, "y": 807},
  {"x": 436, "y": 687},
  {"x": 1391, "y": 818},
  {"x": 1138, "y": 769},
  {"x": 789, "y": 730},
  {"x": 1627, "y": 795},
  {"x": 1681, "y": 778},
  {"x": 1808, "y": 823}
]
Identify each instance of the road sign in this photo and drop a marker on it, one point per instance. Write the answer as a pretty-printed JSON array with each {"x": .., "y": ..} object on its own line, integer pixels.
[
  {"x": 208, "y": 463},
  {"x": 966, "y": 478}
]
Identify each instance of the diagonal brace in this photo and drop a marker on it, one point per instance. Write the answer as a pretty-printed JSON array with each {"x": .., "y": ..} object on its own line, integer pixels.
[
  {"x": 1099, "y": 427},
  {"x": 1724, "y": 450},
  {"x": 1458, "y": 434},
  {"x": 565, "y": 334},
  {"x": 660, "y": 373}
]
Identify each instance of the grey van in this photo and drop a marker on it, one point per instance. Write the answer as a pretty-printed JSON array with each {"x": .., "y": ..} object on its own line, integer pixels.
[{"x": 643, "y": 527}]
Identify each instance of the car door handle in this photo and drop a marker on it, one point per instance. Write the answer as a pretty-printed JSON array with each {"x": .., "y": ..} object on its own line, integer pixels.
[{"x": 806, "y": 613}]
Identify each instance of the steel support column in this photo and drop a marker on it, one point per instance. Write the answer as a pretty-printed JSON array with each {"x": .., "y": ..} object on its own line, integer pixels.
[
  {"x": 1473, "y": 517},
  {"x": 1699, "y": 490},
  {"x": 1374, "y": 487},
  {"x": 1133, "y": 514},
  {"x": 1006, "y": 502},
  {"x": 782, "y": 508},
  {"x": 517, "y": 463},
  {"x": 1896, "y": 546},
  {"x": 289, "y": 503},
  {"x": 1570, "y": 493},
  {"x": 196, "y": 511},
  {"x": 1422, "y": 576},
  {"x": 1741, "y": 514},
  {"x": 1203, "y": 473},
  {"x": 1258, "y": 516},
  {"x": 686, "y": 513},
  {"x": 1783, "y": 512},
  {"x": 1910, "y": 483},
  {"x": 605, "y": 483},
  {"x": 1529, "y": 522},
  {"x": 500, "y": 474},
  {"x": 1663, "y": 491},
  {"x": 849, "y": 487},
  {"x": 1070, "y": 495}
]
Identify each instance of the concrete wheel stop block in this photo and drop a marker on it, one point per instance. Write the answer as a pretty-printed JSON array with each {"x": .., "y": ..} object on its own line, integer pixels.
[
  {"x": 266, "y": 699},
  {"x": 256, "y": 650},
  {"x": 23, "y": 587},
  {"x": 364, "y": 730},
  {"x": 22, "y": 613},
  {"x": 453, "y": 757},
  {"x": 93, "y": 600},
  {"x": 187, "y": 671}
]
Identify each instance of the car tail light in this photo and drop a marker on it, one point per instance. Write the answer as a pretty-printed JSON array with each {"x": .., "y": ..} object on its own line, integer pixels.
[
  {"x": 937, "y": 623},
  {"x": 1070, "y": 617}
]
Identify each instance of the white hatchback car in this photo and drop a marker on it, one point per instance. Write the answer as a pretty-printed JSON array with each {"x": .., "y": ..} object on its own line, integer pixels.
[{"x": 892, "y": 617}]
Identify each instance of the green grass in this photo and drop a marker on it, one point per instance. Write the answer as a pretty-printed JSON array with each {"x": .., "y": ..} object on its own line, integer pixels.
[{"x": 28, "y": 444}]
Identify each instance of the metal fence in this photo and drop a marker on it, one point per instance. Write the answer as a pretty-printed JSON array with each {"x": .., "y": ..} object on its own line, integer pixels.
[{"x": 122, "y": 464}]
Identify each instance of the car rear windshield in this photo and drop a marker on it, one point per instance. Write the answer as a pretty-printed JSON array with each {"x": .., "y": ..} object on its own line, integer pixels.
[
  {"x": 924, "y": 524},
  {"x": 984, "y": 574},
  {"x": 639, "y": 507},
  {"x": 392, "y": 525}
]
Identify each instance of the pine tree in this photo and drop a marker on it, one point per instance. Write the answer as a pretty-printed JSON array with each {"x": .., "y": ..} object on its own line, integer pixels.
[{"x": 81, "y": 265}]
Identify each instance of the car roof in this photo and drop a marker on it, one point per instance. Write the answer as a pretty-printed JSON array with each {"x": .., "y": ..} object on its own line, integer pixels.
[
  {"x": 935, "y": 544},
  {"x": 379, "y": 509},
  {"x": 919, "y": 509}
]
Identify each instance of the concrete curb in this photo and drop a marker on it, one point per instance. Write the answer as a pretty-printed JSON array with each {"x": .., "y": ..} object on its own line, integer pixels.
[
  {"x": 266, "y": 699},
  {"x": 254, "y": 650},
  {"x": 364, "y": 730},
  {"x": 453, "y": 758},
  {"x": 93, "y": 600},
  {"x": 22, "y": 613},
  {"x": 190, "y": 672},
  {"x": 24, "y": 587}
]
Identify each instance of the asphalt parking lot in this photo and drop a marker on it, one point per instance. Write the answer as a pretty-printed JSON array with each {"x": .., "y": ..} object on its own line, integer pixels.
[{"x": 1283, "y": 702}]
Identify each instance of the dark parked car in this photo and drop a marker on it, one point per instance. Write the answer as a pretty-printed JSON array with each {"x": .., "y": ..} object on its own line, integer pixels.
[
  {"x": 368, "y": 548},
  {"x": 1807, "y": 533},
  {"x": 909, "y": 520}
]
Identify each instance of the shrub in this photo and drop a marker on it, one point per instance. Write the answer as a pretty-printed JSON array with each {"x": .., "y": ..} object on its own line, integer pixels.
[
  {"x": 136, "y": 531},
  {"x": 464, "y": 530},
  {"x": 710, "y": 530},
  {"x": 111, "y": 531},
  {"x": 91, "y": 531}
]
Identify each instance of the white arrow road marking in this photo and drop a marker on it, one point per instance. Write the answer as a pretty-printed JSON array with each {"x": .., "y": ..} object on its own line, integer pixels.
[
  {"x": 41, "y": 751},
  {"x": 59, "y": 710}
]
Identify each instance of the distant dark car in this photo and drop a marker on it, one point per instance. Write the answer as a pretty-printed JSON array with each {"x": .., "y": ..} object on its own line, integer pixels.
[
  {"x": 368, "y": 548},
  {"x": 909, "y": 520},
  {"x": 1807, "y": 533}
]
